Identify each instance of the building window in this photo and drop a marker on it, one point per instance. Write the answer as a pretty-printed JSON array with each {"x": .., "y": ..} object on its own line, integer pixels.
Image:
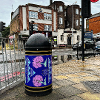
[
  {"x": 60, "y": 9},
  {"x": 47, "y": 28},
  {"x": 33, "y": 14},
  {"x": 77, "y": 11},
  {"x": 60, "y": 20},
  {"x": 78, "y": 37},
  {"x": 55, "y": 7},
  {"x": 62, "y": 37},
  {"x": 65, "y": 13},
  {"x": 47, "y": 16},
  {"x": 76, "y": 22},
  {"x": 80, "y": 21},
  {"x": 35, "y": 27},
  {"x": 80, "y": 13}
]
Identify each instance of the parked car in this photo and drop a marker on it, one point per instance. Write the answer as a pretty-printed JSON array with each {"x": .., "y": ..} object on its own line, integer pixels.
[
  {"x": 87, "y": 45},
  {"x": 79, "y": 44},
  {"x": 97, "y": 46}
]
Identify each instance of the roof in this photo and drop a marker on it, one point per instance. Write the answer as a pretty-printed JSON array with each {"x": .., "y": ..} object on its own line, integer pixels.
[{"x": 95, "y": 15}]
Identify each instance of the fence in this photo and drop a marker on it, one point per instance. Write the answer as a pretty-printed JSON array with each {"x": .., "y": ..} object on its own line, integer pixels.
[{"x": 12, "y": 55}]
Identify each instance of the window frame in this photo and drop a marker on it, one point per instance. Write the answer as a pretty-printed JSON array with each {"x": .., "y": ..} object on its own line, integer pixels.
[
  {"x": 77, "y": 11},
  {"x": 47, "y": 16},
  {"x": 60, "y": 20},
  {"x": 77, "y": 22},
  {"x": 47, "y": 28},
  {"x": 33, "y": 14},
  {"x": 60, "y": 9}
]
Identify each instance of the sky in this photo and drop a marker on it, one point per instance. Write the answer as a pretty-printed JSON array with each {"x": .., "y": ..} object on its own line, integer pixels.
[{"x": 7, "y": 6}]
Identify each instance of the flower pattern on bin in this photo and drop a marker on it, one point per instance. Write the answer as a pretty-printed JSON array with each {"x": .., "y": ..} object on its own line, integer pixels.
[
  {"x": 37, "y": 61},
  {"x": 37, "y": 80}
]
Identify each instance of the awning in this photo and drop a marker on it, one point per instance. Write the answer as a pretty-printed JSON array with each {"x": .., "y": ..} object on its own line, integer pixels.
[
  {"x": 24, "y": 33},
  {"x": 12, "y": 37}
]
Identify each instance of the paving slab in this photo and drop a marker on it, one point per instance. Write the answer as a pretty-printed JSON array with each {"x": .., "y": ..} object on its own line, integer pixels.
[
  {"x": 93, "y": 86},
  {"x": 73, "y": 98},
  {"x": 64, "y": 82},
  {"x": 68, "y": 91},
  {"x": 80, "y": 86},
  {"x": 89, "y": 96},
  {"x": 18, "y": 93}
]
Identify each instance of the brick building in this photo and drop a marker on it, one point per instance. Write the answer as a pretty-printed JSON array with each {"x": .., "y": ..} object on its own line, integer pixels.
[
  {"x": 71, "y": 26},
  {"x": 43, "y": 17},
  {"x": 93, "y": 23},
  {"x": 55, "y": 19},
  {"x": 73, "y": 13}
]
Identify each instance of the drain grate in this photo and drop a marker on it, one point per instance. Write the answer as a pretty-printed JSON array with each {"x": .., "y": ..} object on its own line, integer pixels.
[{"x": 93, "y": 85}]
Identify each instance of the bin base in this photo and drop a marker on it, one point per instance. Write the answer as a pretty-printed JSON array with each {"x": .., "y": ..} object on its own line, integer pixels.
[{"x": 38, "y": 93}]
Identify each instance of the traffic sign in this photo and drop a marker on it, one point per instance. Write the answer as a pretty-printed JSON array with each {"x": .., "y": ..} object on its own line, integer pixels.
[{"x": 94, "y": 1}]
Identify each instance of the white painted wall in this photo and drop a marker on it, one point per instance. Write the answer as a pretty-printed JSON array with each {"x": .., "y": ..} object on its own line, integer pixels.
[
  {"x": 37, "y": 9},
  {"x": 40, "y": 21},
  {"x": 60, "y": 31},
  {"x": 24, "y": 18}
]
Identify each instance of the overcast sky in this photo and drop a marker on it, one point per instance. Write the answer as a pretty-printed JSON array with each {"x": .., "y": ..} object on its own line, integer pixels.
[{"x": 6, "y": 7}]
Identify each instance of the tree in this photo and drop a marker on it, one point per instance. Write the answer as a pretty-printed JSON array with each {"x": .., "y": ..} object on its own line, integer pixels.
[{"x": 6, "y": 32}]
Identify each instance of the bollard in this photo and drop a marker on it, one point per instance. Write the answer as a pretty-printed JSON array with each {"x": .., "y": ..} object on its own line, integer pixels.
[{"x": 38, "y": 65}]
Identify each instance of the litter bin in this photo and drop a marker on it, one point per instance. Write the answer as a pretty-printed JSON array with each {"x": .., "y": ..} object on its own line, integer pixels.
[{"x": 38, "y": 65}]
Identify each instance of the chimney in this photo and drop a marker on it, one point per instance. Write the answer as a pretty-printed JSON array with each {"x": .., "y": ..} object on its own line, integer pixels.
[{"x": 50, "y": 2}]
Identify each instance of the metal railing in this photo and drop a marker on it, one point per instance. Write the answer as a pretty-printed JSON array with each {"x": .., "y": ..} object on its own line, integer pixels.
[{"x": 12, "y": 58}]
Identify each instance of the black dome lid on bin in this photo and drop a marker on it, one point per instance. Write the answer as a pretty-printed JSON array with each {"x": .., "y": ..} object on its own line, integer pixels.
[{"x": 37, "y": 41}]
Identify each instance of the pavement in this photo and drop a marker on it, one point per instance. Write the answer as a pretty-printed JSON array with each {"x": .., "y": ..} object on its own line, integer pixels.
[{"x": 73, "y": 80}]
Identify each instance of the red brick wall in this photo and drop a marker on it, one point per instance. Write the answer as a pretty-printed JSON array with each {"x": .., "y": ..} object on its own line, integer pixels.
[
  {"x": 94, "y": 24},
  {"x": 40, "y": 15},
  {"x": 21, "y": 18},
  {"x": 27, "y": 16},
  {"x": 14, "y": 25},
  {"x": 40, "y": 27}
]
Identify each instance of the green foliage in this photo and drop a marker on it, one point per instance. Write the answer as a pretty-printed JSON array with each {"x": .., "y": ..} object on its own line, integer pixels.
[{"x": 6, "y": 32}]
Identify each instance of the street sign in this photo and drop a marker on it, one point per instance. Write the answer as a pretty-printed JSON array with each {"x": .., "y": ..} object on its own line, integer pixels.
[{"x": 94, "y": 1}]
